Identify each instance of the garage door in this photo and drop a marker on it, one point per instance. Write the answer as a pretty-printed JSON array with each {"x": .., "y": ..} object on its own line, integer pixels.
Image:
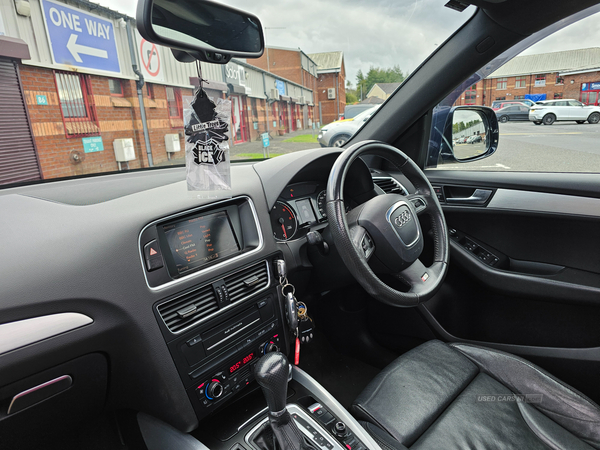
[{"x": 18, "y": 158}]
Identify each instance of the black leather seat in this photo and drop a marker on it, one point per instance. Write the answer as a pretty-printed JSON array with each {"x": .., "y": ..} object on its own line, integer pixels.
[{"x": 440, "y": 396}]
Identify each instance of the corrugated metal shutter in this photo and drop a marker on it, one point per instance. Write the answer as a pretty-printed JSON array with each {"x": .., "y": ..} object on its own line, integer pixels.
[{"x": 18, "y": 158}]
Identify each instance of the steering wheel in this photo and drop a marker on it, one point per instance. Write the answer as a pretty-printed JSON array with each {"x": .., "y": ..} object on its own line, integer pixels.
[{"x": 387, "y": 228}]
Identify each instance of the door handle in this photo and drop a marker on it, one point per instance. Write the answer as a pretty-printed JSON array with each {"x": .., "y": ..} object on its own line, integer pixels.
[{"x": 479, "y": 197}]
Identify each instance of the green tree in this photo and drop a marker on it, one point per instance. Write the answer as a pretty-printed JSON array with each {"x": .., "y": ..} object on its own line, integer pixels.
[
  {"x": 378, "y": 75},
  {"x": 351, "y": 97}
]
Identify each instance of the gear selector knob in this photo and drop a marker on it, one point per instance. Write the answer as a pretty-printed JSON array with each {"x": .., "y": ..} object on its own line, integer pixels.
[{"x": 271, "y": 373}]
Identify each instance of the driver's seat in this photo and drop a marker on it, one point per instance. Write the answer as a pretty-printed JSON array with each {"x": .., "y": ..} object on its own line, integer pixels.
[{"x": 457, "y": 396}]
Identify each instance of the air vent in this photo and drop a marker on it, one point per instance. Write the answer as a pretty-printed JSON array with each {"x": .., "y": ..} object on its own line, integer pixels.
[
  {"x": 390, "y": 185},
  {"x": 246, "y": 282},
  {"x": 188, "y": 309}
]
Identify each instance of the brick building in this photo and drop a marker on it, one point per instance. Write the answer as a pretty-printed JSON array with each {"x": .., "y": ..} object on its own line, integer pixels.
[
  {"x": 292, "y": 64},
  {"x": 65, "y": 113},
  {"x": 290, "y": 112},
  {"x": 569, "y": 74},
  {"x": 331, "y": 85}
]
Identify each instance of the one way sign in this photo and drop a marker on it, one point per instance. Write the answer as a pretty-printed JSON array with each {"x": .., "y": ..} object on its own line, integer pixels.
[{"x": 80, "y": 39}]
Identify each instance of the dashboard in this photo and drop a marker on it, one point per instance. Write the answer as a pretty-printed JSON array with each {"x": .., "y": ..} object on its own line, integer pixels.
[{"x": 175, "y": 293}]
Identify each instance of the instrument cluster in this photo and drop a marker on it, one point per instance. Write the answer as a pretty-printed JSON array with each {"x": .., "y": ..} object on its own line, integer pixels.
[{"x": 299, "y": 206}]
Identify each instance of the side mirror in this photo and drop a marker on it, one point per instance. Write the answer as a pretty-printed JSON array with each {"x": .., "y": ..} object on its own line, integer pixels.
[
  {"x": 206, "y": 30},
  {"x": 470, "y": 133}
]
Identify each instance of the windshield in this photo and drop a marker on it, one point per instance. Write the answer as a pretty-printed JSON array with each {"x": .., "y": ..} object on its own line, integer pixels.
[
  {"x": 78, "y": 106},
  {"x": 366, "y": 114}
]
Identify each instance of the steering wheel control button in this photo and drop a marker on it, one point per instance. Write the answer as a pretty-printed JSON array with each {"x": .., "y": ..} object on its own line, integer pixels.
[
  {"x": 367, "y": 245},
  {"x": 153, "y": 256}
]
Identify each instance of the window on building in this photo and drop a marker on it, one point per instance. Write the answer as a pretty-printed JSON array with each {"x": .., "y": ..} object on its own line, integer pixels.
[
  {"x": 558, "y": 95},
  {"x": 500, "y": 98},
  {"x": 540, "y": 80},
  {"x": 116, "y": 87},
  {"x": 174, "y": 102},
  {"x": 150, "y": 91},
  {"x": 471, "y": 95},
  {"x": 501, "y": 83},
  {"x": 560, "y": 80},
  {"x": 74, "y": 93},
  {"x": 520, "y": 82},
  {"x": 519, "y": 97}
]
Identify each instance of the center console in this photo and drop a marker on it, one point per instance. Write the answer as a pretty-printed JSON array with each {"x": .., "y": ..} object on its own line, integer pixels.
[
  {"x": 318, "y": 415},
  {"x": 217, "y": 329},
  {"x": 216, "y": 353}
]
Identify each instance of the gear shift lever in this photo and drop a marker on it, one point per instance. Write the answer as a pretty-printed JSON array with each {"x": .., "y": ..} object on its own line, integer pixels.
[{"x": 271, "y": 373}]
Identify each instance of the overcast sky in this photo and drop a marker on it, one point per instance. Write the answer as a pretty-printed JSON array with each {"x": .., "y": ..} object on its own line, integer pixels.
[{"x": 380, "y": 33}]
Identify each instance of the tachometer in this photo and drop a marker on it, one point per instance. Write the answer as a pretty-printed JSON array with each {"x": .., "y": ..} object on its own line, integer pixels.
[
  {"x": 321, "y": 203},
  {"x": 283, "y": 221}
]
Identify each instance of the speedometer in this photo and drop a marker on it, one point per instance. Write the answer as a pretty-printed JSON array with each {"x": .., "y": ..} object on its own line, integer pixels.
[{"x": 283, "y": 221}]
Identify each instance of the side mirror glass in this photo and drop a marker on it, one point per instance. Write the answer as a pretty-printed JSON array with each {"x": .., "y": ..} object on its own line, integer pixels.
[
  {"x": 208, "y": 31},
  {"x": 470, "y": 133}
]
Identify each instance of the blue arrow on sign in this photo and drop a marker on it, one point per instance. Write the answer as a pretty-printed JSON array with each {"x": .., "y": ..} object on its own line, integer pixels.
[{"x": 80, "y": 39}]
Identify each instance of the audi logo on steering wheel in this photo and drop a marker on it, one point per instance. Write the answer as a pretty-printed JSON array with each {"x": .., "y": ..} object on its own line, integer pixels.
[{"x": 402, "y": 219}]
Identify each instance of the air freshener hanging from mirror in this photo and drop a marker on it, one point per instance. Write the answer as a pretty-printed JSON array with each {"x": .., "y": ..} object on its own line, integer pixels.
[{"x": 207, "y": 162}]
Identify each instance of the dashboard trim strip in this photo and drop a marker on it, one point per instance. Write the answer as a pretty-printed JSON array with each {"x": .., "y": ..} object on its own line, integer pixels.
[
  {"x": 14, "y": 335},
  {"x": 211, "y": 268},
  {"x": 545, "y": 202}
]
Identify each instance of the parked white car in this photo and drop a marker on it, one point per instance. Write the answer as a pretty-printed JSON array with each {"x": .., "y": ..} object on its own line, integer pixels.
[
  {"x": 550, "y": 111},
  {"x": 337, "y": 133}
]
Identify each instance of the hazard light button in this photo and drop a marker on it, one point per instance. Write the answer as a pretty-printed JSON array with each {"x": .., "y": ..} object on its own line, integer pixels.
[{"x": 152, "y": 256}]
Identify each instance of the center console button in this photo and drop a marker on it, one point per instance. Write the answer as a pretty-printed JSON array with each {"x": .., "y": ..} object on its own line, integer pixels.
[
  {"x": 326, "y": 418},
  {"x": 339, "y": 429}
]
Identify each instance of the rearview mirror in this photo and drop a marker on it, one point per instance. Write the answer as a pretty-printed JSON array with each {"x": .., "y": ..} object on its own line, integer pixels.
[
  {"x": 206, "y": 30},
  {"x": 470, "y": 133}
]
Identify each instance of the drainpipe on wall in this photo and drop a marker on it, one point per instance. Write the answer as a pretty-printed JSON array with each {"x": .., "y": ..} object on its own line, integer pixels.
[
  {"x": 337, "y": 96},
  {"x": 266, "y": 101},
  {"x": 266, "y": 149},
  {"x": 140, "y": 84}
]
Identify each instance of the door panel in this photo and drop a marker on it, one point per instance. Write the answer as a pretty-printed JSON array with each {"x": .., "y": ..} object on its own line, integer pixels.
[{"x": 524, "y": 270}]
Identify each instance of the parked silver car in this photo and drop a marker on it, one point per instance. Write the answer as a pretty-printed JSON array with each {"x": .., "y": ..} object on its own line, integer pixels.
[
  {"x": 550, "y": 111},
  {"x": 337, "y": 133}
]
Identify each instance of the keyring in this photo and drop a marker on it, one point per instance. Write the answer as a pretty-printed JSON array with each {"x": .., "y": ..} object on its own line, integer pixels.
[{"x": 293, "y": 291}]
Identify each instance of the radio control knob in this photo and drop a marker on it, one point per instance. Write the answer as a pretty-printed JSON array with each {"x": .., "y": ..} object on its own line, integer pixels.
[
  {"x": 214, "y": 390},
  {"x": 270, "y": 347}
]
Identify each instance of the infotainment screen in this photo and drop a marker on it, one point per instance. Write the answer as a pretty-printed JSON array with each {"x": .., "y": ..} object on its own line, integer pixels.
[{"x": 198, "y": 241}]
